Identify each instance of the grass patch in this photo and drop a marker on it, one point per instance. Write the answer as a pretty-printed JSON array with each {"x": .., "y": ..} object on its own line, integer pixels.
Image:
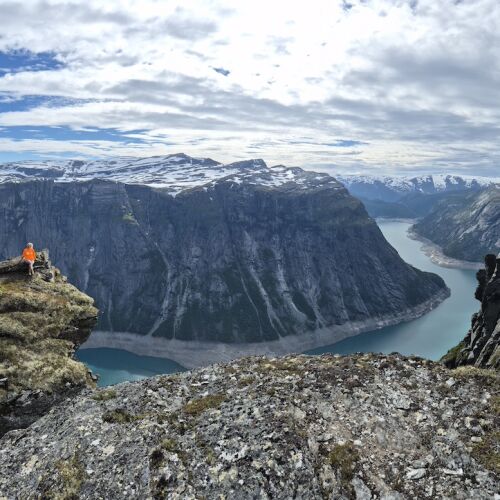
[
  {"x": 72, "y": 474},
  {"x": 197, "y": 406},
  {"x": 343, "y": 459},
  {"x": 246, "y": 381},
  {"x": 129, "y": 218},
  {"x": 290, "y": 366},
  {"x": 487, "y": 453},
  {"x": 104, "y": 395},
  {"x": 450, "y": 357},
  {"x": 121, "y": 416}
]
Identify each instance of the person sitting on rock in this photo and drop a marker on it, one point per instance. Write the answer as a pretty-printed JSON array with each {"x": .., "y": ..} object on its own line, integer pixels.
[{"x": 29, "y": 256}]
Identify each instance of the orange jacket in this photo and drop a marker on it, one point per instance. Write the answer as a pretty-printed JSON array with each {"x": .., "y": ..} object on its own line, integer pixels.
[{"x": 29, "y": 254}]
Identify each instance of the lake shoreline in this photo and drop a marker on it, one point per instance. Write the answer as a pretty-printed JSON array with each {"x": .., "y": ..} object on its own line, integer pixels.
[
  {"x": 435, "y": 253},
  {"x": 195, "y": 354},
  {"x": 431, "y": 249}
]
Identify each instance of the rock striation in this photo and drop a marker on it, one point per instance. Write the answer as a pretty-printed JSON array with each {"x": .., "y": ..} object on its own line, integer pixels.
[
  {"x": 42, "y": 321},
  {"x": 481, "y": 345},
  {"x": 193, "y": 251},
  {"x": 362, "y": 426}
]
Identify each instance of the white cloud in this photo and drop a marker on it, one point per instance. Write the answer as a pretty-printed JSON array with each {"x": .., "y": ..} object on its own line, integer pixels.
[{"x": 418, "y": 81}]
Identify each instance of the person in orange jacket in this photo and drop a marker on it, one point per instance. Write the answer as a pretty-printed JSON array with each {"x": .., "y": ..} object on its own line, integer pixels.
[{"x": 29, "y": 256}]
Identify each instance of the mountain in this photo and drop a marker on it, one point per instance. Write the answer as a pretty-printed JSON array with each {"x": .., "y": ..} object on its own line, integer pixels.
[
  {"x": 409, "y": 197},
  {"x": 42, "y": 322},
  {"x": 465, "y": 226},
  {"x": 280, "y": 259},
  {"x": 361, "y": 426},
  {"x": 481, "y": 345}
]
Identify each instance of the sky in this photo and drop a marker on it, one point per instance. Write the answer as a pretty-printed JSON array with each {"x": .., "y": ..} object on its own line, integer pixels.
[{"x": 358, "y": 86}]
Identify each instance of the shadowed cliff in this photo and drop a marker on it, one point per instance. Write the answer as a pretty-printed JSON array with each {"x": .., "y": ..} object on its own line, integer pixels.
[{"x": 481, "y": 345}]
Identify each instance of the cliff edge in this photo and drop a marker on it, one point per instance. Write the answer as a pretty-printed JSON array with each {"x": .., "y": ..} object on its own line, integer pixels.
[
  {"x": 42, "y": 322},
  {"x": 481, "y": 345}
]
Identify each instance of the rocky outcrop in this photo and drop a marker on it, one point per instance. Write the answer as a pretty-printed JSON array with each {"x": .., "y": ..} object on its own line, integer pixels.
[
  {"x": 465, "y": 226},
  {"x": 259, "y": 255},
  {"x": 363, "y": 426},
  {"x": 43, "y": 320},
  {"x": 481, "y": 345}
]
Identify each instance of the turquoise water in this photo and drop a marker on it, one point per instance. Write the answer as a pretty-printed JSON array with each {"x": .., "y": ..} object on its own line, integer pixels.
[
  {"x": 116, "y": 365},
  {"x": 429, "y": 336}
]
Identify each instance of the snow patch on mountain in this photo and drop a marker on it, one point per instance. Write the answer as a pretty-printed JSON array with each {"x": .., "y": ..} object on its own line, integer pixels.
[
  {"x": 173, "y": 173},
  {"x": 424, "y": 184}
]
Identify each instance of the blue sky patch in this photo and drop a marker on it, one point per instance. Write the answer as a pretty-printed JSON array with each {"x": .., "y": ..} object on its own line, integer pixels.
[
  {"x": 22, "y": 60},
  {"x": 68, "y": 134}
]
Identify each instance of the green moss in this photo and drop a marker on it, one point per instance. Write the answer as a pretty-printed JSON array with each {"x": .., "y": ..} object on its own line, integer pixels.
[
  {"x": 246, "y": 381},
  {"x": 104, "y": 395},
  {"x": 121, "y": 416},
  {"x": 197, "y": 406},
  {"x": 284, "y": 365},
  {"x": 487, "y": 452},
  {"x": 72, "y": 474},
  {"x": 172, "y": 446},
  {"x": 169, "y": 444},
  {"x": 129, "y": 218},
  {"x": 487, "y": 378},
  {"x": 451, "y": 356},
  {"x": 343, "y": 458}
]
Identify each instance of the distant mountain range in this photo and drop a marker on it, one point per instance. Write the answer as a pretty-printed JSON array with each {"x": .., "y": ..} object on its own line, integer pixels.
[
  {"x": 189, "y": 249},
  {"x": 409, "y": 197},
  {"x": 465, "y": 225},
  {"x": 173, "y": 174}
]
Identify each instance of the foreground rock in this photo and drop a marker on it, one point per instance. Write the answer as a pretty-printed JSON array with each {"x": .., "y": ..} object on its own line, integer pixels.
[
  {"x": 481, "y": 345},
  {"x": 364, "y": 426},
  {"x": 42, "y": 321}
]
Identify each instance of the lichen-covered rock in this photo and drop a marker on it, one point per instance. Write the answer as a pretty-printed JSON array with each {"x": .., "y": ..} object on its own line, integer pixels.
[
  {"x": 42, "y": 321},
  {"x": 363, "y": 426},
  {"x": 481, "y": 345}
]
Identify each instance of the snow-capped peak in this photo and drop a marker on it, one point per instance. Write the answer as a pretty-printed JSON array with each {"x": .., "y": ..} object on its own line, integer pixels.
[{"x": 173, "y": 173}]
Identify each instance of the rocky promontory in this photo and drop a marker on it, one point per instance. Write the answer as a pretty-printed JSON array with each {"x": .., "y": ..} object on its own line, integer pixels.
[
  {"x": 481, "y": 345},
  {"x": 361, "y": 426},
  {"x": 43, "y": 319}
]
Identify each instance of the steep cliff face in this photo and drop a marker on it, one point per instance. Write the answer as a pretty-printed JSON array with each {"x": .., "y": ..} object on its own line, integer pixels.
[
  {"x": 41, "y": 324},
  {"x": 365, "y": 426},
  {"x": 465, "y": 226},
  {"x": 481, "y": 345},
  {"x": 258, "y": 255}
]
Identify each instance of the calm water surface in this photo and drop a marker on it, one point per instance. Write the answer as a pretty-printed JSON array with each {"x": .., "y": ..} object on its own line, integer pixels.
[
  {"x": 116, "y": 365},
  {"x": 429, "y": 336}
]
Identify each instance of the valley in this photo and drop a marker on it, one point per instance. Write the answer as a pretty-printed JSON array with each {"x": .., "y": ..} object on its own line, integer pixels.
[{"x": 424, "y": 336}]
